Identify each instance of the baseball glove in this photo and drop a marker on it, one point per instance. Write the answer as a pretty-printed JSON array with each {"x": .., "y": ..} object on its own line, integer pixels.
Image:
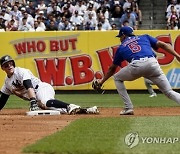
[{"x": 97, "y": 87}]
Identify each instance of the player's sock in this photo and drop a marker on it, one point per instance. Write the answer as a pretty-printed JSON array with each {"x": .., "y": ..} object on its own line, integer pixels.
[{"x": 56, "y": 103}]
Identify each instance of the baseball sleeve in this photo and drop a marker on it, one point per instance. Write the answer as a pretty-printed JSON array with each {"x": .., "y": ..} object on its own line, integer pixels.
[{"x": 3, "y": 100}]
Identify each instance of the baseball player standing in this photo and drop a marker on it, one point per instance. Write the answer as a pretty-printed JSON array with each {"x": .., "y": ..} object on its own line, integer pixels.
[
  {"x": 137, "y": 50},
  {"x": 24, "y": 84}
]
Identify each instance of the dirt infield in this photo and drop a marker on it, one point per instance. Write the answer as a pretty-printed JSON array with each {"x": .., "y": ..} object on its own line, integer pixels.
[{"x": 18, "y": 130}]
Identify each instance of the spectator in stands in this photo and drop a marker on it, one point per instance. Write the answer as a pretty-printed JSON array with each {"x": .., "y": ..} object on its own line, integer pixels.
[
  {"x": 110, "y": 9},
  {"x": 42, "y": 6},
  {"x": 30, "y": 19},
  {"x": 179, "y": 24},
  {"x": 77, "y": 21},
  {"x": 90, "y": 10},
  {"x": 130, "y": 17},
  {"x": 11, "y": 26},
  {"x": 16, "y": 13},
  {"x": 127, "y": 4},
  {"x": 53, "y": 8},
  {"x": 5, "y": 15},
  {"x": 51, "y": 26},
  {"x": 2, "y": 24},
  {"x": 31, "y": 8},
  {"x": 169, "y": 13},
  {"x": 173, "y": 21},
  {"x": 104, "y": 10},
  {"x": 39, "y": 13},
  {"x": 174, "y": 3},
  {"x": 90, "y": 23},
  {"x": 137, "y": 12},
  {"x": 66, "y": 13},
  {"x": 65, "y": 25},
  {"x": 105, "y": 23},
  {"x": 16, "y": 3},
  {"x": 117, "y": 12},
  {"x": 125, "y": 23},
  {"x": 37, "y": 27},
  {"x": 41, "y": 23},
  {"x": 118, "y": 2},
  {"x": 23, "y": 10},
  {"x": 24, "y": 26},
  {"x": 114, "y": 26},
  {"x": 80, "y": 7},
  {"x": 50, "y": 18},
  {"x": 178, "y": 6},
  {"x": 6, "y": 5},
  {"x": 19, "y": 2},
  {"x": 57, "y": 13},
  {"x": 69, "y": 6},
  {"x": 116, "y": 15},
  {"x": 94, "y": 3},
  {"x": 99, "y": 27}
]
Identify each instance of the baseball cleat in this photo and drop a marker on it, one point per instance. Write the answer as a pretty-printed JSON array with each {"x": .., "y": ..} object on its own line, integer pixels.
[
  {"x": 127, "y": 112},
  {"x": 92, "y": 110},
  {"x": 73, "y": 109},
  {"x": 153, "y": 95}
]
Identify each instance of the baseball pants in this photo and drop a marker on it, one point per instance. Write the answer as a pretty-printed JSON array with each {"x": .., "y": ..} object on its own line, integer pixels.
[{"x": 148, "y": 68}]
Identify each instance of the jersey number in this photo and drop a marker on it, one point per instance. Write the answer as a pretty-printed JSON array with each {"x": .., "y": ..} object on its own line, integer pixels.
[{"x": 134, "y": 47}]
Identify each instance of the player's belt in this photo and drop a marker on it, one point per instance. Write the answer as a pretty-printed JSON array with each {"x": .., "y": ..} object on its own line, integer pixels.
[{"x": 141, "y": 58}]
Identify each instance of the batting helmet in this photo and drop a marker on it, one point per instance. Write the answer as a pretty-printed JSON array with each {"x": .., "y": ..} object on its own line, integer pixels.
[
  {"x": 6, "y": 59},
  {"x": 126, "y": 30}
]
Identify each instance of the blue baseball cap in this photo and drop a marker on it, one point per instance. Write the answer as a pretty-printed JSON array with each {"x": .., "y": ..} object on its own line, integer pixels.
[{"x": 126, "y": 30}]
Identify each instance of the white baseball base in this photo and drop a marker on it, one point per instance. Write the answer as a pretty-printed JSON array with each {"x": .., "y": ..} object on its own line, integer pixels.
[{"x": 43, "y": 112}]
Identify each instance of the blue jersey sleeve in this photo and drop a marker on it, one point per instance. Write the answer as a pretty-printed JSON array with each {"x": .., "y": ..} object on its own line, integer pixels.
[
  {"x": 152, "y": 41},
  {"x": 118, "y": 58}
]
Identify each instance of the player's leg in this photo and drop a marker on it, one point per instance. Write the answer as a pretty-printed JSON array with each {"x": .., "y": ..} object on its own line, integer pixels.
[
  {"x": 162, "y": 82},
  {"x": 125, "y": 74},
  {"x": 89, "y": 110},
  {"x": 156, "y": 75},
  {"x": 148, "y": 84},
  {"x": 134, "y": 70},
  {"x": 46, "y": 97}
]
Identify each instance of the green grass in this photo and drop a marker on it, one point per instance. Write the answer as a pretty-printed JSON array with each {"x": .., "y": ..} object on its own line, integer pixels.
[
  {"x": 106, "y": 100},
  {"x": 114, "y": 100},
  {"x": 106, "y": 136},
  {"x": 16, "y": 103}
]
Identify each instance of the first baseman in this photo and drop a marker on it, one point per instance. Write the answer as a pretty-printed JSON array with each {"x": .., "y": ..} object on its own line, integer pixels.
[
  {"x": 24, "y": 84},
  {"x": 138, "y": 51}
]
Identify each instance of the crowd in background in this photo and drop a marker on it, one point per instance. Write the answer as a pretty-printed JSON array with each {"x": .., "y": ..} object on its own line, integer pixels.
[
  {"x": 57, "y": 15},
  {"x": 173, "y": 14}
]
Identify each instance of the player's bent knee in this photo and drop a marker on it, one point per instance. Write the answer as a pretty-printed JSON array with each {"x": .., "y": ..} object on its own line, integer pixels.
[{"x": 117, "y": 79}]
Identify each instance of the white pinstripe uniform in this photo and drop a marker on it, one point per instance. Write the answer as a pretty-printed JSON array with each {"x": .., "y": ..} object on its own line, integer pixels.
[{"x": 43, "y": 91}]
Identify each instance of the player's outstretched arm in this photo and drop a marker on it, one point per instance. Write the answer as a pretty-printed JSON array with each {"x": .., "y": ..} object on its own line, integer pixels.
[
  {"x": 3, "y": 100},
  {"x": 31, "y": 94},
  {"x": 168, "y": 48},
  {"x": 110, "y": 72}
]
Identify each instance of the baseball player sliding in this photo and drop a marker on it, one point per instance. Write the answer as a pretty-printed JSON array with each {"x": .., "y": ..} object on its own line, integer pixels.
[
  {"x": 24, "y": 84},
  {"x": 137, "y": 50}
]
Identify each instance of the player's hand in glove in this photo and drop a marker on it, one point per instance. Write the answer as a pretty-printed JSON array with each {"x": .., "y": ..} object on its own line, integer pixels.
[
  {"x": 33, "y": 105},
  {"x": 97, "y": 87}
]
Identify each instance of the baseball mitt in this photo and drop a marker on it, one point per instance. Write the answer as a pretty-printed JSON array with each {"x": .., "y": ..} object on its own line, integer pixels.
[{"x": 97, "y": 87}]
